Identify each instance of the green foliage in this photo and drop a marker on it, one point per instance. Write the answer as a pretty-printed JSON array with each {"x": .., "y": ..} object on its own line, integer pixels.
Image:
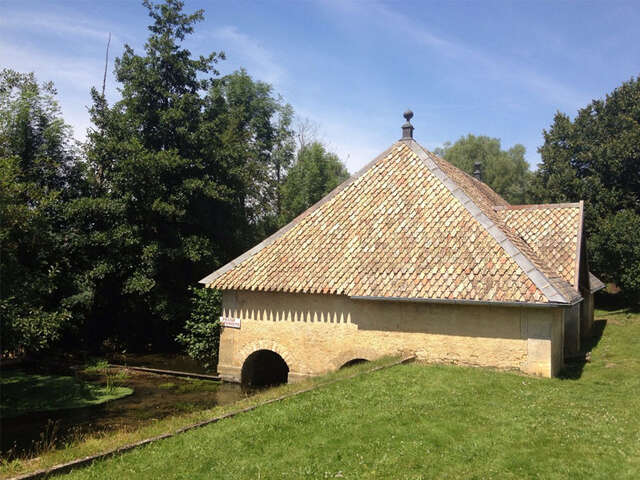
[
  {"x": 255, "y": 142},
  {"x": 616, "y": 245},
  {"x": 115, "y": 379},
  {"x": 38, "y": 172},
  {"x": 96, "y": 366},
  {"x": 28, "y": 330},
  {"x": 148, "y": 235},
  {"x": 185, "y": 171},
  {"x": 191, "y": 385},
  {"x": 201, "y": 336},
  {"x": 505, "y": 171},
  {"x": 315, "y": 173},
  {"x": 180, "y": 175},
  {"x": 595, "y": 158}
]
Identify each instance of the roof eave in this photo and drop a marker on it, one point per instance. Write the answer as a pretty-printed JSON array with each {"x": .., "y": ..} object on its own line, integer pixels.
[
  {"x": 579, "y": 247},
  {"x": 469, "y": 302}
]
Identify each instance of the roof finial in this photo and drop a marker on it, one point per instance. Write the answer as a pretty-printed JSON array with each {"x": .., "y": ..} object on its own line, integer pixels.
[
  {"x": 407, "y": 128},
  {"x": 477, "y": 170}
]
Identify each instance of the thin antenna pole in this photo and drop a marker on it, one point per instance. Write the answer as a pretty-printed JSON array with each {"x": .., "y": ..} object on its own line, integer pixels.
[{"x": 106, "y": 63}]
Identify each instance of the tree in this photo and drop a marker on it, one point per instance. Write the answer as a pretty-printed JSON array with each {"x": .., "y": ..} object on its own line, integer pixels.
[
  {"x": 39, "y": 172},
  {"x": 255, "y": 140},
  {"x": 306, "y": 132},
  {"x": 616, "y": 245},
  {"x": 184, "y": 171},
  {"x": 315, "y": 173},
  {"x": 505, "y": 171},
  {"x": 596, "y": 158},
  {"x": 201, "y": 336}
]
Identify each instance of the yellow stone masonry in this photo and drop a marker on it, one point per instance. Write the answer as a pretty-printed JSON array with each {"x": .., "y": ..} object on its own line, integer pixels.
[{"x": 315, "y": 334}]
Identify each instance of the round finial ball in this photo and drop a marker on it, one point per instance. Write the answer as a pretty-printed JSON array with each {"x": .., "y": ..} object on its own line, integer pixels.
[{"x": 408, "y": 115}]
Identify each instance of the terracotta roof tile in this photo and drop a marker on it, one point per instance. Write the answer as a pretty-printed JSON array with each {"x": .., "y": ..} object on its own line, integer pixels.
[
  {"x": 401, "y": 228},
  {"x": 552, "y": 231}
]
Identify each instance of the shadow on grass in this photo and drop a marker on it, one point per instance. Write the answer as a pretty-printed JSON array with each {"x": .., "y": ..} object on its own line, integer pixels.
[
  {"x": 574, "y": 366},
  {"x": 615, "y": 302}
]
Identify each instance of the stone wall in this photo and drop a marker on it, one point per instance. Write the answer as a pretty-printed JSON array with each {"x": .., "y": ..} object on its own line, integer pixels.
[
  {"x": 319, "y": 333},
  {"x": 572, "y": 337},
  {"x": 586, "y": 314}
]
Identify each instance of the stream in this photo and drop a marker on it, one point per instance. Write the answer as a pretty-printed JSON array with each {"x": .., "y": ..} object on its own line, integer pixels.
[{"x": 155, "y": 396}]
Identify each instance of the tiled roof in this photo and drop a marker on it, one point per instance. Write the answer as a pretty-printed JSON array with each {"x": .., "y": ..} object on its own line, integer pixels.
[
  {"x": 488, "y": 201},
  {"x": 553, "y": 231},
  {"x": 410, "y": 226}
]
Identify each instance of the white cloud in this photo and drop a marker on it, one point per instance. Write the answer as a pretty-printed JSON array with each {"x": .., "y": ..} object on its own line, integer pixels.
[
  {"x": 50, "y": 67},
  {"x": 58, "y": 25},
  {"x": 72, "y": 76},
  {"x": 250, "y": 54},
  {"x": 478, "y": 61}
]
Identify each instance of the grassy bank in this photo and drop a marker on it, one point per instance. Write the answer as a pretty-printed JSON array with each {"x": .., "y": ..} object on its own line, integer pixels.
[
  {"x": 418, "y": 421},
  {"x": 90, "y": 444}
]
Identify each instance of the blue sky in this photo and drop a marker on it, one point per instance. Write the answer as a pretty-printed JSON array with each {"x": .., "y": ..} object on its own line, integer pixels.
[{"x": 489, "y": 68}]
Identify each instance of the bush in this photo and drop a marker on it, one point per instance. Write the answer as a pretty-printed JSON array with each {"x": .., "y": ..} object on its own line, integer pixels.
[
  {"x": 201, "y": 335},
  {"x": 615, "y": 247},
  {"x": 27, "y": 330}
]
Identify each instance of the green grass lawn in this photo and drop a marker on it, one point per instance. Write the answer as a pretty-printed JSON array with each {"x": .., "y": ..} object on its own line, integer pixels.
[
  {"x": 426, "y": 421},
  {"x": 22, "y": 393}
]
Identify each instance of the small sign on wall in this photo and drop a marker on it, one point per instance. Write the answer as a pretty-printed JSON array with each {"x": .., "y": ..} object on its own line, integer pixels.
[{"x": 230, "y": 322}]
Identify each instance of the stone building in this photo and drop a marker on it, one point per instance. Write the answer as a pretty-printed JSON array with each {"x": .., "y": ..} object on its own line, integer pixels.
[{"x": 409, "y": 255}]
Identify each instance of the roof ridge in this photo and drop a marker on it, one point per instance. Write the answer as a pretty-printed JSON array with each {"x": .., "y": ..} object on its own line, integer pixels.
[
  {"x": 280, "y": 232},
  {"x": 527, "y": 260},
  {"x": 536, "y": 206},
  {"x": 482, "y": 187},
  {"x": 579, "y": 245}
]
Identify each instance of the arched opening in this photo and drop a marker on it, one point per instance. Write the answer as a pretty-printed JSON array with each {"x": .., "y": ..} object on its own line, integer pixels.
[
  {"x": 355, "y": 361},
  {"x": 264, "y": 368}
]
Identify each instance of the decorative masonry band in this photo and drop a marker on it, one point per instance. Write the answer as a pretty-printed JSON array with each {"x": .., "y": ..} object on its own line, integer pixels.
[{"x": 81, "y": 462}]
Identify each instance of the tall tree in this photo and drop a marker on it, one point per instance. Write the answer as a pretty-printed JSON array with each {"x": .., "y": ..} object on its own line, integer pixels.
[
  {"x": 255, "y": 139},
  {"x": 39, "y": 172},
  {"x": 315, "y": 173},
  {"x": 596, "y": 158},
  {"x": 505, "y": 171},
  {"x": 183, "y": 169}
]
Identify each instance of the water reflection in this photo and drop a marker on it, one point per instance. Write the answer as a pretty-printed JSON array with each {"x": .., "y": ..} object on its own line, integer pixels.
[{"x": 155, "y": 397}]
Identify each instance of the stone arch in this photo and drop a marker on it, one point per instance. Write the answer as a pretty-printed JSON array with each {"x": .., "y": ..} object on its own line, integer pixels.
[
  {"x": 264, "y": 368},
  {"x": 345, "y": 357},
  {"x": 355, "y": 361},
  {"x": 252, "y": 347}
]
